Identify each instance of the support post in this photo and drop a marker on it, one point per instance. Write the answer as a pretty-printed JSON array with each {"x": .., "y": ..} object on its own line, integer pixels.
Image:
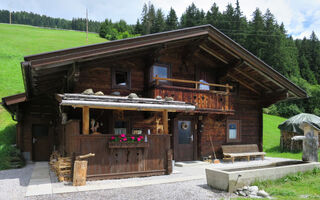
[
  {"x": 165, "y": 122},
  {"x": 157, "y": 80},
  {"x": 85, "y": 120},
  {"x": 227, "y": 96}
]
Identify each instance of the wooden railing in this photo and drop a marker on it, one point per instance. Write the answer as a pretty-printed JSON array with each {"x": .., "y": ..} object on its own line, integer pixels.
[
  {"x": 227, "y": 87},
  {"x": 212, "y": 100}
]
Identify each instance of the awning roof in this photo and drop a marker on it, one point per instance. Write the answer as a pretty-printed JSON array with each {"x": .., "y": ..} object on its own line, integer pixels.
[
  {"x": 123, "y": 103},
  {"x": 294, "y": 123}
]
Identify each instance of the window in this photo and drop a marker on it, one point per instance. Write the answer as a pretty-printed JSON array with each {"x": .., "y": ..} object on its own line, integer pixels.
[
  {"x": 121, "y": 78},
  {"x": 160, "y": 70},
  {"x": 120, "y": 127},
  {"x": 40, "y": 130},
  {"x": 233, "y": 131}
]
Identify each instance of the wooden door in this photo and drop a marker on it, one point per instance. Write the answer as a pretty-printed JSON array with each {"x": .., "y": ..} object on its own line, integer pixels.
[
  {"x": 41, "y": 146},
  {"x": 184, "y": 144}
]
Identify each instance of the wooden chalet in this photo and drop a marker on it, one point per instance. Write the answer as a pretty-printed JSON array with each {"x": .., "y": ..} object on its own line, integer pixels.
[{"x": 173, "y": 90}]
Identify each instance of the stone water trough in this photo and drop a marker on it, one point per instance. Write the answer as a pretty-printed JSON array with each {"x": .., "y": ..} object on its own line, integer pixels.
[{"x": 231, "y": 179}]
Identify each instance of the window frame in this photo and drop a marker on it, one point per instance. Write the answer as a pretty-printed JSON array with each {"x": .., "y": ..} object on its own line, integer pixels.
[
  {"x": 169, "y": 75},
  {"x": 238, "y": 125},
  {"x": 121, "y": 69}
]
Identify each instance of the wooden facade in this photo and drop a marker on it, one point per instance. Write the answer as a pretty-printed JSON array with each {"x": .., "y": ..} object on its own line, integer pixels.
[{"x": 200, "y": 66}]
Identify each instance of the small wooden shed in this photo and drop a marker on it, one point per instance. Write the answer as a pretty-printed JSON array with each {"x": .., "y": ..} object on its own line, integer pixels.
[{"x": 292, "y": 127}]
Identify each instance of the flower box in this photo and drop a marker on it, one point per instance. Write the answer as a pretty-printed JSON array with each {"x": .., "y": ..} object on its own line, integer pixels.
[{"x": 124, "y": 145}]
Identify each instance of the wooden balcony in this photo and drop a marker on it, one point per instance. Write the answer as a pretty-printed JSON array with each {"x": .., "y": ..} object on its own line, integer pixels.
[{"x": 217, "y": 100}]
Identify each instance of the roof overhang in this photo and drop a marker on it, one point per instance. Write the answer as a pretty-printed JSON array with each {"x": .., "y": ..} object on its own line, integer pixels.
[
  {"x": 10, "y": 103},
  {"x": 123, "y": 103}
]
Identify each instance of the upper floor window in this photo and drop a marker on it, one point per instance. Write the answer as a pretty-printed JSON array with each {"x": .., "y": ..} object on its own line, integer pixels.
[
  {"x": 160, "y": 70},
  {"x": 121, "y": 78},
  {"x": 233, "y": 131}
]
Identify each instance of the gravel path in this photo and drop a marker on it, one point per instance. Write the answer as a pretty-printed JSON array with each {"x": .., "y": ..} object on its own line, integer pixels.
[
  {"x": 14, "y": 182},
  {"x": 187, "y": 190}
]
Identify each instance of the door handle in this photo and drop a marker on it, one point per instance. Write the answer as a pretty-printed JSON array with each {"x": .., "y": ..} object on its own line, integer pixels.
[{"x": 191, "y": 137}]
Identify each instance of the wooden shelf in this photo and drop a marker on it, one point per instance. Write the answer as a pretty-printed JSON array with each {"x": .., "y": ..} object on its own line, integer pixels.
[{"x": 125, "y": 145}]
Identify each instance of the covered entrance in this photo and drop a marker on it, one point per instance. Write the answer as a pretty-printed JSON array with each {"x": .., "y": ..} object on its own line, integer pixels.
[{"x": 184, "y": 139}]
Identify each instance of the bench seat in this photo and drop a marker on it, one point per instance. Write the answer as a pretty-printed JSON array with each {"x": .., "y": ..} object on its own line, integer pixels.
[{"x": 230, "y": 152}]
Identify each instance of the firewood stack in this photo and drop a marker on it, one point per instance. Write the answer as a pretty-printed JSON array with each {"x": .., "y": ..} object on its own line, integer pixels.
[{"x": 61, "y": 166}]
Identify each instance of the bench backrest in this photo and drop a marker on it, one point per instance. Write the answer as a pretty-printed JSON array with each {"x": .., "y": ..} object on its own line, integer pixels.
[{"x": 242, "y": 148}]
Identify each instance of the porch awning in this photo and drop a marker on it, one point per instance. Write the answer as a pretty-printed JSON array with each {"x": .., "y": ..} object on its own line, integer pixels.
[{"x": 123, "y": 102}]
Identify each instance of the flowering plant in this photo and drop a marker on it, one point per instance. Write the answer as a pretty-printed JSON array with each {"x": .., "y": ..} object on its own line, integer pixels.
[{"x": 124, "y": 138}]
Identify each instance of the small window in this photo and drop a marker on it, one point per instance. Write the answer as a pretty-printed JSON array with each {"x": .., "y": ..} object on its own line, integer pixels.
[
  {"x": 121, "y": 78},
  {"x": 120, "y": 127},
  {"x": 160, "y": 70},
  {"x": 40, "y": 130},
  {"x": 233, "y": 131}
]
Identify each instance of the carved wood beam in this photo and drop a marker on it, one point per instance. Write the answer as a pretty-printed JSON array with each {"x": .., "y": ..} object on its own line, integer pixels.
[
  {"x": 245, "y": 84},
  {"x": 265, "y": 75},
  {"x": 223, "y": 72},
  {"x": 214, "y": 54},
  {"x": 223, "y": 48},
  {"x": 192, "y": 48},
  {"x": 252, "y": 79}
]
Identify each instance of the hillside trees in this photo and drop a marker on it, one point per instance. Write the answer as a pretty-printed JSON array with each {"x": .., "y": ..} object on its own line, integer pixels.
[{"x": 33, "y": 19}]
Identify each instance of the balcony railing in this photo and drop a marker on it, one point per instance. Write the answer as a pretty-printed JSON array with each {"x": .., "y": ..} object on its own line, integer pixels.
[{"x": 213, "y": 100}]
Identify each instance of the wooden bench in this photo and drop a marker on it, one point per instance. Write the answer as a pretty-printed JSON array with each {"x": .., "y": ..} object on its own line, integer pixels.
[{"x": 230, "y": 152}]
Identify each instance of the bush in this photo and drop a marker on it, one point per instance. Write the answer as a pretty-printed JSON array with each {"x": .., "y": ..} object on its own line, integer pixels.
[
  {"x": 10, "y": 157},
  {"x": 289, "y": 110}
]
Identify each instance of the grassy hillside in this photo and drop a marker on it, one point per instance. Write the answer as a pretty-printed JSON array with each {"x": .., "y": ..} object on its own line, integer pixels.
[{"x": 17, "y": 41}]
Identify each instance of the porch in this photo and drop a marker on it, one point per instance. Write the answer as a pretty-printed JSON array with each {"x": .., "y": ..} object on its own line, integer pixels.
[{"x": 121, "y": 152}]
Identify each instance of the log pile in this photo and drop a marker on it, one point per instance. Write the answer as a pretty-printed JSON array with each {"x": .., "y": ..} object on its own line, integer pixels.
[
  {"x": 286, "y": 144},
  {"x": 61, "y": 166}
]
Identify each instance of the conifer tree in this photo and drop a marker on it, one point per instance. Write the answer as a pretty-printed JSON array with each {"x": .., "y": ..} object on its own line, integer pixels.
[{"x": 171, "y": 20}]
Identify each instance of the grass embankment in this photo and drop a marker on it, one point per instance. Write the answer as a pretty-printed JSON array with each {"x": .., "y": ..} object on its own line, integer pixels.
[
  {"x": 271, "y": 138},
  {"x": 293, "y": 186},
  {"x": 17, "y": 41}
]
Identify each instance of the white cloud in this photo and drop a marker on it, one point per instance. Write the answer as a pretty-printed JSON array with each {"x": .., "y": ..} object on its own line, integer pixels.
[{"x": 293, "y": 14}]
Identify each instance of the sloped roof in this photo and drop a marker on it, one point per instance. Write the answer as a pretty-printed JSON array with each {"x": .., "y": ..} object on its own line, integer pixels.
[
  {"x": 293, "y": 124},
  {"x": 245, "y": 68}
]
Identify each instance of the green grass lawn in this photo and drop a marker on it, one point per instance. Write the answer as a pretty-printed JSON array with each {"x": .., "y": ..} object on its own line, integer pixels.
[{"x": 18, "y": 41}]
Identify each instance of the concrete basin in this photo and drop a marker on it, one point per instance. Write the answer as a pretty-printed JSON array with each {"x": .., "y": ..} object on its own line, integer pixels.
[{"x": 231, "y": 179}]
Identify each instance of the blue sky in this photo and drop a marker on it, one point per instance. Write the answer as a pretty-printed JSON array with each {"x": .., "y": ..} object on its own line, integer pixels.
[{"x": 300, "y": 17}]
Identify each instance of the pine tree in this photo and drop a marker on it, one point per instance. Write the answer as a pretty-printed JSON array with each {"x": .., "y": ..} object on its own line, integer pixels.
[
  {"x": 171, "y": 20},
  {"x": 256, "y": 27},
  {"x": 192, "y": 17},
  {"x": 138, "y": 27},
  {"x": 159, "y": 22},
  {"x": 314, "y": 61},
  {"x": 214, "y": 16}
]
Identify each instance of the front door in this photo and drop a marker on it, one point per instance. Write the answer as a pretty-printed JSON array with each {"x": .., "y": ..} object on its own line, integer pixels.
[
  {"x": 41, "y": 147},
  {"x": 184, "y": 139}
]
